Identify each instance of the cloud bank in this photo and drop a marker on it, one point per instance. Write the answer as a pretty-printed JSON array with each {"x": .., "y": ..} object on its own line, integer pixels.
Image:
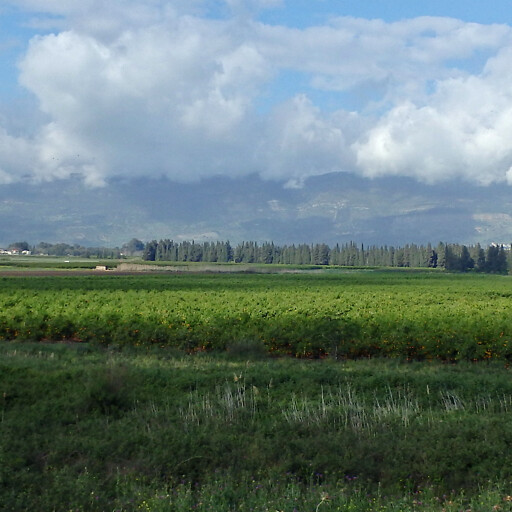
[{"x": 167, "y": 88}]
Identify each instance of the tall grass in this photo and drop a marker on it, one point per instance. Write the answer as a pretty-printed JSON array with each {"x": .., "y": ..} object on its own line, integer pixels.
[{"x": 86, "y": 428}]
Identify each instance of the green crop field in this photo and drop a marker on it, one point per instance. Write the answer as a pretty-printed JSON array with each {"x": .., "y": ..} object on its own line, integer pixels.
[
  {"x": 330, "y": 391},
  {"x": 413, "y": 315}
]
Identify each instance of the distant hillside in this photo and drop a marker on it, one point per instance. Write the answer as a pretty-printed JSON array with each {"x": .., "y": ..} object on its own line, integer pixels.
[{"x": 331, "y": 208}]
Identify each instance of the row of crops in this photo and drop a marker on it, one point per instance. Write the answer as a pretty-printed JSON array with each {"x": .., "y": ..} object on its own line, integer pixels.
[{"x": 354, "y": 314}]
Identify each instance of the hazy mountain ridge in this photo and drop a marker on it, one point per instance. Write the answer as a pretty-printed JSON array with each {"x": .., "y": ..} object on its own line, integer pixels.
[{"x": 331, "y": 208}]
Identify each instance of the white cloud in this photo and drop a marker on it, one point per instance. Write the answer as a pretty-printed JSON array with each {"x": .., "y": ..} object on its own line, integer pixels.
[
  {"x": 254, "y": 4},
  {"x": 157, "y": 88},
  {"x": 350, "y": 51},
  {"x": 16, "y": 157},
  {"x": 167, "y": 99},
  {"x": 463, "y": 130},
  {"x": 301, "y": 142}
]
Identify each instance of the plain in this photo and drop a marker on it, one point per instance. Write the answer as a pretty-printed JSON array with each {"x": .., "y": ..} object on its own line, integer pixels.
[{"x": 334, "y": 391}]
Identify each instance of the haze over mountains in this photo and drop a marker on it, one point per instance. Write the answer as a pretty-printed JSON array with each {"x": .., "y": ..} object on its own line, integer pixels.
[{"x": 332, "y": 208}]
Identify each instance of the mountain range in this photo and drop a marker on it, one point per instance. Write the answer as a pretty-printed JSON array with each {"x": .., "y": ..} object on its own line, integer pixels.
[{"x": 332, "y": 208}]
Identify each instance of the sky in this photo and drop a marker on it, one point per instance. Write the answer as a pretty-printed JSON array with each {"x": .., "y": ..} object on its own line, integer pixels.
[{"x": 285, "y": 89}]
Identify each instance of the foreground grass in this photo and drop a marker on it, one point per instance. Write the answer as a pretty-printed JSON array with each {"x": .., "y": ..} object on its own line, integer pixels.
[{"x": 85, "y": 428}]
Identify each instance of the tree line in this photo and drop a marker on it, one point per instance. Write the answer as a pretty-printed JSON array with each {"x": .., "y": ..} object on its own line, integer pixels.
[
  {"x": 452, "y": 257},
  {"x": 63, "y": 249}
]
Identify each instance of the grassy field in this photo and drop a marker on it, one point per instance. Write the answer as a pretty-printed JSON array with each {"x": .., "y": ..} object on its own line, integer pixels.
[
  {"x": 52, "y": 263},
  {"x": 85, "y": 428},
  {"x": 164, "y": 392}
]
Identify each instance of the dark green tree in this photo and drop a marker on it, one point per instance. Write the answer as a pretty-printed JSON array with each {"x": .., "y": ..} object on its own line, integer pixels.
[
  {"x": 150, "y": 251},
  {"x": 466, "y": 261},
  {"x": 432, "y": 259},
  {"x": 496, "y": 259}
]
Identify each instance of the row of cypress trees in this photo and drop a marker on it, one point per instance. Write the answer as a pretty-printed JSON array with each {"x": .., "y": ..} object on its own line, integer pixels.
[{"x": 454, "y": 257}]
